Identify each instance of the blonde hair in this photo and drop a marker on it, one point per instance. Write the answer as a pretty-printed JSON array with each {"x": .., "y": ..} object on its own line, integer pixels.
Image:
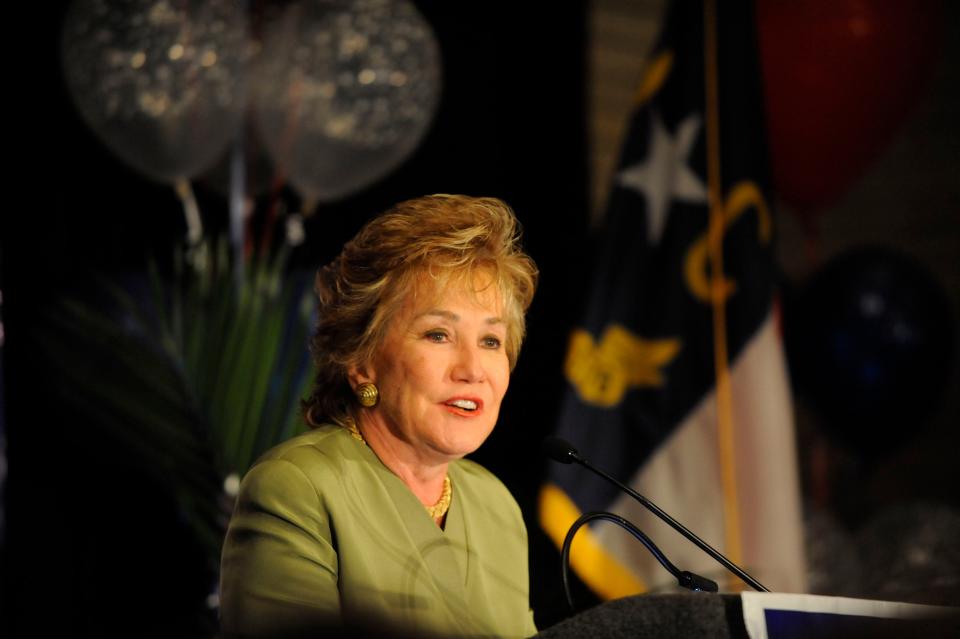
[{"x": 449, "y": 238}]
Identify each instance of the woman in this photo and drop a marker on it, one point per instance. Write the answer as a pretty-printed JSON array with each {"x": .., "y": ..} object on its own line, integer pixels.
[{"x": 374, "y": 516}]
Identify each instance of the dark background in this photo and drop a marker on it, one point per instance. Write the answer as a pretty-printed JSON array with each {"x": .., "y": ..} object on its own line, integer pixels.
[{"x": 94, "y": 547}]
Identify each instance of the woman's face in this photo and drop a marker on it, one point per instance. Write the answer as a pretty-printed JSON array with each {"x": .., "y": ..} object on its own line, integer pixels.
[{"x": 442, "y": 371}]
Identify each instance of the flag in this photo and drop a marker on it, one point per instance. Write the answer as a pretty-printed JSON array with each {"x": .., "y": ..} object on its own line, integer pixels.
[{"x": 676, "y": 377}]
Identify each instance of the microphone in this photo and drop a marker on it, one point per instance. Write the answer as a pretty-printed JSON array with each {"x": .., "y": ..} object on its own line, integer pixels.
[{"x": 561, "y": 451}]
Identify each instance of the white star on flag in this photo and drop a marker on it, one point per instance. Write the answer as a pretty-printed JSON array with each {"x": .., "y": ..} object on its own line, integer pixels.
[{"x": 664, "y": 175}]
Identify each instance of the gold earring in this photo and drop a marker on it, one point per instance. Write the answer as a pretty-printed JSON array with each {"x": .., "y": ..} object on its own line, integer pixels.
[{"x": 367, "y": 394}]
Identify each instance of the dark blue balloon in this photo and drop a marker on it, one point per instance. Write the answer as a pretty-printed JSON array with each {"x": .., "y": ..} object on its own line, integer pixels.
[{"x": 871, "y": 345}]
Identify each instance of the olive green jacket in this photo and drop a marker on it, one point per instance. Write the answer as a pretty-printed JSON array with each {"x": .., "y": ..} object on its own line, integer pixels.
[{"x": 324, "y": 533}]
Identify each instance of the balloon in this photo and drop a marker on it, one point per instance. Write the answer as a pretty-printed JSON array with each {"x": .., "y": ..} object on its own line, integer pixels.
[
  {"x": 158, "y": 81},
  {"x": 839, "y": 78},
  {"x": 344, "y": 91},
  {"x": 871, "y": 345}
]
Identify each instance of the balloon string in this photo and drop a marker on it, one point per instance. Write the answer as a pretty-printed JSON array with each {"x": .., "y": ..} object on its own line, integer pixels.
[
  {"x": 296, "y": 233},
  {"x": 266, "y": 236},
  {"x": 237, "y": 206},
  {"x": 274, "y": 203},
  {"x": 309, "y": 205},
  {"x": 191, "y": 212},
  {"x": 286, "y": 144},
  {"x": 248, "y": 236}
]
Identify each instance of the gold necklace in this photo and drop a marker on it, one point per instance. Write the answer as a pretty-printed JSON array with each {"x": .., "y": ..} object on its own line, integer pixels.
[{"x": 439, "y": 509}]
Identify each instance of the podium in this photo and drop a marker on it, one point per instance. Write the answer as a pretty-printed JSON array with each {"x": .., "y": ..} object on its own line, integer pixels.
[
  {"x": 675, "y": 615},
  {"x": 757, "y": 616}
]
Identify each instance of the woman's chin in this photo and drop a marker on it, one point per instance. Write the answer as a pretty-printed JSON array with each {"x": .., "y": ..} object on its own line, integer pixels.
[{"x": 456, "y": 445}]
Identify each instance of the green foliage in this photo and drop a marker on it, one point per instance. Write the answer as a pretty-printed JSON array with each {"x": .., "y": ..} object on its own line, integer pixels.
[{"x": 197, "y": 382}]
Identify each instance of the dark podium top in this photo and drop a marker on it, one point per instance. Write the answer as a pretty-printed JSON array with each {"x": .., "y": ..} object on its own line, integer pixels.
[
  {"x": 694, "y": 615},
  {"x": 703, "y": 616}
]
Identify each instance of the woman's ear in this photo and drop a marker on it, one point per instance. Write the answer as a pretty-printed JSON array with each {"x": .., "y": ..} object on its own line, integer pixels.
[{"x": 357, "y": 375}]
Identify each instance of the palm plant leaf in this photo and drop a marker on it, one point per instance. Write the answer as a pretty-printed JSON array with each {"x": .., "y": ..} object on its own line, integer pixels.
[{"x": 194, "y": 384}]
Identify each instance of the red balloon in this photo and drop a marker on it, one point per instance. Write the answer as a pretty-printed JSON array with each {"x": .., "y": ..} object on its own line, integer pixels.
[{"x": 839, "y": 77}]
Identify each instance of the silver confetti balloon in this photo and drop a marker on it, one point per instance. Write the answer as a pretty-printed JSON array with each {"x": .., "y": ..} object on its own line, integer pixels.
[
  {"x": 159, "y": 81},
  {"x": 344, "y": 91}
]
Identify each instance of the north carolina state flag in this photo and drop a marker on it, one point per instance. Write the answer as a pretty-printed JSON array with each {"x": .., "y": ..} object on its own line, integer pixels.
[{"x": 677, "y": 381}]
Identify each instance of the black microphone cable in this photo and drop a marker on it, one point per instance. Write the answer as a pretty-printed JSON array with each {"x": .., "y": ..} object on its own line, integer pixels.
[{"x": 685, "y": 578}]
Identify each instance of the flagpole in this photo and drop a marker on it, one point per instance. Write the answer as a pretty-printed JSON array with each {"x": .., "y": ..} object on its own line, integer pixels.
[{"x": 718, "y": 290}]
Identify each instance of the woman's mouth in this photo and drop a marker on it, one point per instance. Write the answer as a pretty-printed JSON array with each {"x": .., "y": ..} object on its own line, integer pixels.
[{"x": 463, "y": 405}]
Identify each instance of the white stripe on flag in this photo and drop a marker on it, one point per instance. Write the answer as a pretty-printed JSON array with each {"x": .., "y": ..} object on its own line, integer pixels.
[{"x": 683, "y": 478}]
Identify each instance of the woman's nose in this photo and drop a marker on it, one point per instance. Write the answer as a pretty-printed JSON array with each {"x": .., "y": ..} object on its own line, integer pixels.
[{"x": 468, "y": 366}]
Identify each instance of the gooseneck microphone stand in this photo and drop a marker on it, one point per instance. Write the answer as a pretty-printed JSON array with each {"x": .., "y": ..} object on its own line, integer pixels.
[
  {"x": 561, "y": 451},
  {"x": 685, "y": 578}
]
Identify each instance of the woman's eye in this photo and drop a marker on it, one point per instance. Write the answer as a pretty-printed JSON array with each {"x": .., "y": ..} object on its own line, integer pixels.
[
  {"x": 491, "y": 342},
  {"x": 436, "y": 336}
]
